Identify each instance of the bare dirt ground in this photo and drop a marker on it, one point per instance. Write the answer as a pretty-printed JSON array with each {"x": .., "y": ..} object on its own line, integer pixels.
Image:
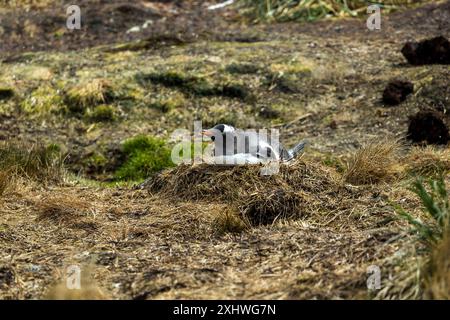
[{"x": 320, "y": 81}]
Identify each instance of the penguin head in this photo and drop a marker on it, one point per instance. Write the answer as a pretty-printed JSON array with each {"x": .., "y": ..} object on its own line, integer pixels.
[{"x": 218, "y": 129}]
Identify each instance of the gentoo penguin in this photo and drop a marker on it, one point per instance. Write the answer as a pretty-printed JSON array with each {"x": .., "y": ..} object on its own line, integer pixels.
[{"x": 248, "y": 146}]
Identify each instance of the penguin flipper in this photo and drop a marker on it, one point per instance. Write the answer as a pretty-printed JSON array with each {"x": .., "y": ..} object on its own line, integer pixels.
[{"x": 295, "y": 151}]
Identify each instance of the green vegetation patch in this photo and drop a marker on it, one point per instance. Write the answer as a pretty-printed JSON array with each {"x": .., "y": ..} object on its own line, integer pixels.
[
  {"x": 145, "y": 155},
  {"x": 435, "y": 202},
  {"x": 43, "y": 100},
  {"x": 102, "y": 113}
]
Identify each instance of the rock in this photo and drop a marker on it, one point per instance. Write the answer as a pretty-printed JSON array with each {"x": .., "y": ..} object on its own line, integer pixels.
[
  {"x": 6, "y": 93},
  {"x": 429, "y": 126},
  {"x": 430, "y": 51},
  {"x": 6, "y": 276},
  {"x": 396, "y": 91}
]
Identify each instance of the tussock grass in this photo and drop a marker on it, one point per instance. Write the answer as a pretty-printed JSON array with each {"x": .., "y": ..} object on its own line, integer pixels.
[
  {"x": 373, "y": 163},
  {"x": 90, "y": 94},
  {"x": 37, "y": 162},
  {"x": 243, "y": 68},
  {"x": 27, "y": 3},
  {"x": 428, "y": 161}
]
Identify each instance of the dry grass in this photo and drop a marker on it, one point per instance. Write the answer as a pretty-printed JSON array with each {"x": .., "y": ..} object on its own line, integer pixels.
[
  {"x": 438, "y": 281},
  {"x": 89, "y": 289},
  {"x": 291, "y": 193},
  {"x": 39, "y": 163},
  {"x": 213, "y": 183},
  {"x": 161, "y": 246},
  {"x": 261, "y": 208},
  {"x": 91, "y": 94},
  {"x": 65, "y": 209},
  {"x": 229, "y": 221},
  {"x": 6, "y": 181},
  {"x": 428, "y": 161},
  {"x": 374, "y": 162},
  {"x": 87, "y": 292}
]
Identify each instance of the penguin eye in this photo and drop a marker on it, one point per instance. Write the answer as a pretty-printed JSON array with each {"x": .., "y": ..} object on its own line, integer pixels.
[{"x": 213, "y": 138}]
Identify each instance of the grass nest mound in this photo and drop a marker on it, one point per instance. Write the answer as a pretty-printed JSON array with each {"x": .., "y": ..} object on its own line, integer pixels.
[
  {"x": 266, "y": 208},
  {"x": 260, "y": 199}
]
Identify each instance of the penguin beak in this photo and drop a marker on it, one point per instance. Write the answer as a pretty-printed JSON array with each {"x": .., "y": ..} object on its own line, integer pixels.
[{"x": 208, "y": 133}]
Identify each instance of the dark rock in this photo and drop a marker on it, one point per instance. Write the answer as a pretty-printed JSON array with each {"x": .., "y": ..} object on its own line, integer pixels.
[
  {"x": 6, "y": 93},
  {"x": 429, "y": 126},
  {"x": 6, "y": 276},
  {"x": 396, "y": 92},
  {"x": 430, "y": 51}
]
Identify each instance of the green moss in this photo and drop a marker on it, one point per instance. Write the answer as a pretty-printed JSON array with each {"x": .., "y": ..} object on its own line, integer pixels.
[
  {"x": 102, "y": 113},
  {"x": 96, "y": 162},
  {"x": 43, "y": 100},
  {"x": 144, "y": 155},
  {"x": 6, "y": 93}
]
